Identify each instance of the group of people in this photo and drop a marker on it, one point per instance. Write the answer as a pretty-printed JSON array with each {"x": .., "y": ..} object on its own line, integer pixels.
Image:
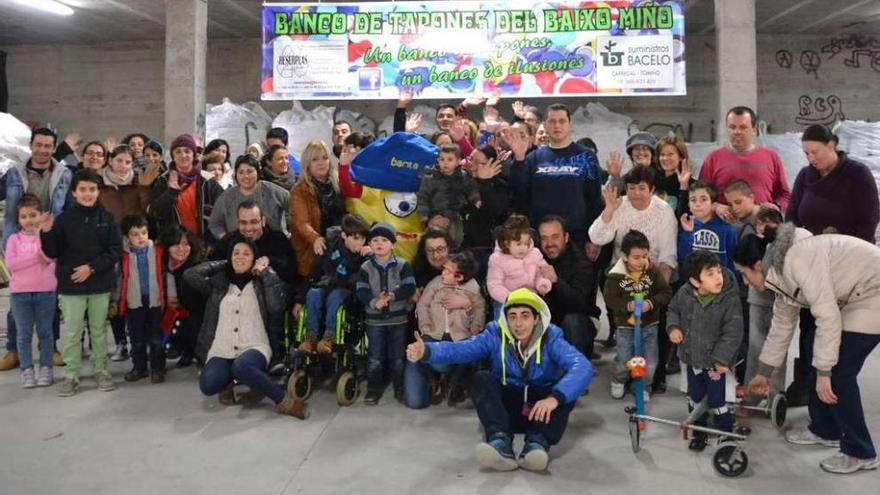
[{"x": 523, "y": 228}]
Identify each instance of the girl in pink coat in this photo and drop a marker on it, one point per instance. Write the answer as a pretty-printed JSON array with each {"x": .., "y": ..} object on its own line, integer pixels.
[{"x": 516, "y": 263}]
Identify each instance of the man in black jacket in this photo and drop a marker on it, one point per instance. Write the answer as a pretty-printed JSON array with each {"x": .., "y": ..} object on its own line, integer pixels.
[
  {"x": 571, "y": 298},
  {"x": 273, "y": 250}
]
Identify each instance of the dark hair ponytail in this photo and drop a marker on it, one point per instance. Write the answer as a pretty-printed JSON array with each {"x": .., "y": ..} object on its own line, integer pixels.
[{"x": 751, "y": 248}]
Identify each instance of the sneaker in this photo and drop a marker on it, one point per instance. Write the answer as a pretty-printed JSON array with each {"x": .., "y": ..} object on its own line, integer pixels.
[
  {"x": 372, "y": 397},
  {"x": 104, "y": 381},
  {"x": 120, "y": 354},
  {"x": 646, "y": 396},
  {"x": 57, "y": 359},
  {"x": 9, "y": 361},
  {"x": 497, "y": 454},
  {"x": 135, "y": 375},
  {"x": 68, "y": 387},
  {"x": 45, "y": 377},
  {"x": 533, "y": 457},
  {"x": 617, "y": 390},
  {"x": 27, "y": 378},
  {"x": 841, "y": 463},
  {"x": 325, "y": 345},
  {"x": 307, "y": 346},
  {"x": 293, "y": 407},
  {"x": 698, "y": 442},
  {"x": 804, "y": 436}
]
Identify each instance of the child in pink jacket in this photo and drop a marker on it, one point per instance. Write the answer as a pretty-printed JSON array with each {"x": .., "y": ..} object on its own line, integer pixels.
[
  {"x": 32, "y": 287},
  {"x": 516, "y": 263}
]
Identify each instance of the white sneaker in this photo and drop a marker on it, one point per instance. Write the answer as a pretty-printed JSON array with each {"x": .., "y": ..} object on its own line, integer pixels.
[
  {"x": 804, "y": 436},
  {"x": 45, "y": 377},
  {"x": 841, "y": 463},
  {"x": 27, "y": 378},
  {"x": 617, "y": 390},
  {"x": 646, "y": 396},
  {"x": 120, "y": 354}
]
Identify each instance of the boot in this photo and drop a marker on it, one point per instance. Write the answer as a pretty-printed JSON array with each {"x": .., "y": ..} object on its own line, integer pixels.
[
  {"x": 9, "y": 361},
  {"x": 325, "y": 345},
  {"x": 57, "y": 359},
  {"x": 293, "y": 407},
  {"x": 307, "y": 346}
]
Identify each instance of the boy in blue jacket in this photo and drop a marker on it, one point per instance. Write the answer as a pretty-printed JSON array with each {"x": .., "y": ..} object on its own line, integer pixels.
[
  {"x": 704, "y": 231},
  {"x": 534, "y": 379}
]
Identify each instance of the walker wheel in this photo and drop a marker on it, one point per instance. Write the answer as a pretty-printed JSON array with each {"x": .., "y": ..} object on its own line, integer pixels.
[
  {"x": 346, "y": 389},
  {"x": 634, "y": 433},
  {"x": 778, "y": 410},
  {"x": 299, "y": 386},
  {"x": 730, "y": 460}
]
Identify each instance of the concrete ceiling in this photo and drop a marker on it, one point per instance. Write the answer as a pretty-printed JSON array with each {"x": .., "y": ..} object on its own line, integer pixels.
[{"x": 100, "y": 21}]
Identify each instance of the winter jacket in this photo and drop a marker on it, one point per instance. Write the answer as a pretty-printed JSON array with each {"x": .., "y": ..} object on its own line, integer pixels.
[
  {"x": 573, "y": 291},
  {"x": 668, "y": 189},
  {"x": 480, "y": 222},
  {"x": 31, "y": 270},
  {"x": 446, "y": 195},
  {"x": 845, "y": 200},
  {"x": 836, "y": 276},
  {"x": 712, "y": 334},
  {"x": 84, "y": 236},
  {"x": 548, "y": 361},
  {"x": 163, "y": 204},
  {"x": 129, "y": 294},
  {"x": 507, "y": 273},
  {"x": 337, "y": 268},
  {"x": 133, "y": 199},
  {"x": 395, "y": 277},
  {"x": 210, "y": 280},
  {"x": 564, "y": 182},
  {"x": 435, "y": 320},
  {"x": 621, "y": 288},
  {"x": 16, "y": 179},
  {"x": 305, "y": 214},
  {"x": 715, "y": 236},
  {"x": 272, "y": 244}
]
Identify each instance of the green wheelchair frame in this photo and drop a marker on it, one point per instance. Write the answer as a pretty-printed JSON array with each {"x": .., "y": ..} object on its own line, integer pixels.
[{"x": 348, "y": 358}]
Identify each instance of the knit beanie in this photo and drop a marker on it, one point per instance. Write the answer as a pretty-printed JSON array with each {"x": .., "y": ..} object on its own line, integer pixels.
[
  {"x": 382, "y": 229},
  {"x": 185, "y": 141}
]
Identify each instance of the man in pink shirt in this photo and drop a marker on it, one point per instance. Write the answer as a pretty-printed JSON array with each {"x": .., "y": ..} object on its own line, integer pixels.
[{"x": 742, "y": 159}]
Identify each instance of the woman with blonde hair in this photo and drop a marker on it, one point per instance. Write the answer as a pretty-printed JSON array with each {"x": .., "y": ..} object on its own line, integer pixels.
[{"x": 315, "y": 205}]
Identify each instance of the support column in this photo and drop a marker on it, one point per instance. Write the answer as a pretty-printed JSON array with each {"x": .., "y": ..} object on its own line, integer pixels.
[
  {"x": 186, "y": 45},
  {"x": 736, "y": 40}
]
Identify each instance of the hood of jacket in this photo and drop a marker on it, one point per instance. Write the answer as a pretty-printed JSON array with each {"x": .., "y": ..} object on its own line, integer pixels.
[
  {"x": 532, "y": 300},
  {"x": 786, "y": 236}
]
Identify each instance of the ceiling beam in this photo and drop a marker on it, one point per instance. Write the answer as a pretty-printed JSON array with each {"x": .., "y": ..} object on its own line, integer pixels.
[
  {"x": 784, "y": 13},
  {"x": 833, "y": 15},
  {"x": 241, "y": 10},
  {"x": 143, "y": 15}
]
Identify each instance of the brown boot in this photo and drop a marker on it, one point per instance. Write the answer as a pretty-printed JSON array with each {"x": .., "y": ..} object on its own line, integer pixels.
[
  {"x": 307, "y": 346},
  {"x": 325, "y": 345},
  {"x": 57, "y": 360},
  {"x": 9, "y": 361},
  {"x": 293, "y": 407},
  {"x": 227, "y": 396}
]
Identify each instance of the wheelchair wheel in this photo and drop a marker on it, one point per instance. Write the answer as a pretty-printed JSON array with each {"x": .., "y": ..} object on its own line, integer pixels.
[
  {"x": 730, "y": 460},
  {"x": 634, "y": 433},
  {"x": 299, "y": 386},
  {"x": 346, "y": 389},
  {"x": 778, "y": 410}
]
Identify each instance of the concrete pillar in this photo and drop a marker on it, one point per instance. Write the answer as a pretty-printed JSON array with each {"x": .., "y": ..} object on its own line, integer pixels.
[
  {"x": 186, "y": 45},
  {"x": 736, "y": 42}
]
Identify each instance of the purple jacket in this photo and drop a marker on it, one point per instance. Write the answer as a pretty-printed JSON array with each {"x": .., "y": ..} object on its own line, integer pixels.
[{"x": 845, "y": 199}]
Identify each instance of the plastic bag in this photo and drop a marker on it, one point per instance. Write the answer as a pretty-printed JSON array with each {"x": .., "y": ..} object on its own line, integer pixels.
[
  {"x": 239, "y": 125},
  {"x": 359, "y": 122},
  {"x": 15, "y": 137},
  {"x": 608, "y": 129},
  {"x": 304, "y": 126}
]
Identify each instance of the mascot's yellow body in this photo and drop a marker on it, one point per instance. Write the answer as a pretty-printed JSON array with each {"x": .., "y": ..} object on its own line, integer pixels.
[{"x": 397, "y": 209}]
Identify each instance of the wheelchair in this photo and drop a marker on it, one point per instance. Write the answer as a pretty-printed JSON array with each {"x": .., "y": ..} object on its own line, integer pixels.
[{"x": 346, "y": 364}]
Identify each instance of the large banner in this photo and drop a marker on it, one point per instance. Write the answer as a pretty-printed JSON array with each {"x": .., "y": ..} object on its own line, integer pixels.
[{"x": 438, "y": 49}]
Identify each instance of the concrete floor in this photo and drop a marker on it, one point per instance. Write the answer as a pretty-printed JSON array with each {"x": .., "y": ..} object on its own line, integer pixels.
[{"x": 154, "y": 439}]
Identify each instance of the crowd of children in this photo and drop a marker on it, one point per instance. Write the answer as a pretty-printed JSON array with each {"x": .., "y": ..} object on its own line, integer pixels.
[{"x": 674, "y": 239}]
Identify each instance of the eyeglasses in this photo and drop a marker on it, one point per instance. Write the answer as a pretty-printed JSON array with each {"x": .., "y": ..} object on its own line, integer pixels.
[{"x": 437, "y": 250}]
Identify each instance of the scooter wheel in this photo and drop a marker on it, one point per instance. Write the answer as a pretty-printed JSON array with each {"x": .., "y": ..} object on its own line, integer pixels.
[
  {"x": 634, "y": 433},
  {"x": 730, "y": 460},
  {"x": 778, "y": 410}
]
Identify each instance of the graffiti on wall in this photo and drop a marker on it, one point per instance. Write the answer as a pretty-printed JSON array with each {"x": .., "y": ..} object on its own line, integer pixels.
[
  {"x": 819, "y": 110},
  {"x": 855, "y": 51}
]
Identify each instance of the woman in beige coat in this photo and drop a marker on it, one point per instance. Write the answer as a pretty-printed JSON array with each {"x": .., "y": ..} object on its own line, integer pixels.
[{"x": 838, "y": 278}]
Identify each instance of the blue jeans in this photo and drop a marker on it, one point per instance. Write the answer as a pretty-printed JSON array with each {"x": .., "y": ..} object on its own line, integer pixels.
[
  {"x": 417, "y": 377},
  {"x": 12, "y": 334},
  {"x": 626, "y": 349},
  {"x": 386, "y": 345},
  {"x": 845, "y": 421},
  {"x": 249, "y": 368},
  {"x": 34, "y": 309},
  {"x": 702, "y": 386},
  {"x": 500, "y": 409},
  {"x": 316, "y": 306}
]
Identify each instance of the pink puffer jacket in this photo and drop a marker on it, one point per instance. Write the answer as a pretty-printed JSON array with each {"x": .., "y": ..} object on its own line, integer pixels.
[{"x": 507, "y": 274}]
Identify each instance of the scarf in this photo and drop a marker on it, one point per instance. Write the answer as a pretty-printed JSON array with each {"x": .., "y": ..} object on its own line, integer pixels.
[
  {"x": 286, "y": 180},
  {"x": 239, "y": 280},
  {"x": 188, "y": 178},
  {"x": 113, "y": 179}
]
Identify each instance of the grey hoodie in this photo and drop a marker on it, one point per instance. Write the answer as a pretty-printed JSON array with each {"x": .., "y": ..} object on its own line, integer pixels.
[{"x": 712, "y": 334}]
